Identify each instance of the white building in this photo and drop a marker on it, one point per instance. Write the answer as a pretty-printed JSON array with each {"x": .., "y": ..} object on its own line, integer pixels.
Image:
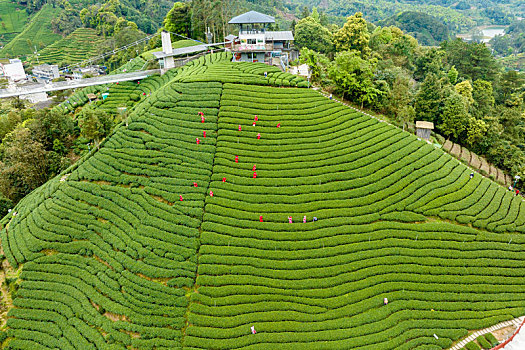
[
  {"x": 46, "y": 72},
  {"x": 13, "y": 71}
]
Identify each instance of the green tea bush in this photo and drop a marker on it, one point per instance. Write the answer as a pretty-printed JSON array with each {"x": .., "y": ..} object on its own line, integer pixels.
[
  {"x": 492, "y": 339},
  {"x": 472, "y": 346},
  {"x": 131, "y": 250},
  {"x": 483, "y": 342}
]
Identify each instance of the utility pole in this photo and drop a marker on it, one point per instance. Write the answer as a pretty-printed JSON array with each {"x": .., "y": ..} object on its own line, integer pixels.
[
  {"x": 209, "y": 36},
  {"x": 36, "y": 54},
  {"x": 516, "y": 178}
]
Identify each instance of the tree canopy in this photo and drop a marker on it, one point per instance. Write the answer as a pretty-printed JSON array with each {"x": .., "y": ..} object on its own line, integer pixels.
[
  {"x": 311, "y": 34},
  {"x": 353, "y": 36}
]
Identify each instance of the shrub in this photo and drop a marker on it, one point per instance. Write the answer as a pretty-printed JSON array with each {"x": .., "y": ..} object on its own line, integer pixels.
[
  {"x": 483, "y": 342},
  {"x": 492, "y": 339}
]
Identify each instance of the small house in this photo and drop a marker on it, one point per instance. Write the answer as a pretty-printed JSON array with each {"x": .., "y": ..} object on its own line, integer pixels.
[
  {"x": 423, "y": 129},
  {"x": 46, "y": 72}
]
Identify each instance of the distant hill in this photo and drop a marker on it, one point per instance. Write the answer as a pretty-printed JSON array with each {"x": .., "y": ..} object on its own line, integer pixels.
[
  {"x": 13, "y": 18},
  {"x": 77, "y": 46},
  {"x": 14, "y": 24},
  {"x": 458, "y": 16},
  {"x": 148, "y": 15},
  {"x": 169, "y": 238},
  {"x": 427, "y": 29},
  {"x": 36, "y": 33}
]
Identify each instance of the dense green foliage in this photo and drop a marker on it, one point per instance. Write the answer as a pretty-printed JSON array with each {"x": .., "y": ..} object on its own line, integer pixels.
[
  {"x": 427, "y": 29},
  {"x": 111, "y": 257},
  {"x": 472, "y": 346},
  {"x": 311, "y": 34},
  {"x": 483, "y": 342},
  {"x": 458, "y": 16}
]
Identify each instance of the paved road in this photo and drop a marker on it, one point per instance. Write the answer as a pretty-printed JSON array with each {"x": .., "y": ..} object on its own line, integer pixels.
[{"x": 73, "y": 84}]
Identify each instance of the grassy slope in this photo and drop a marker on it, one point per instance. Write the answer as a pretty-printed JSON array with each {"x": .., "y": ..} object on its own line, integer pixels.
[
  {"x": 38, "y": 31},
  {"x": 77, "y": 46},
  {"x": 13, "y": 16},
  {"x": 111, "y": 256}
]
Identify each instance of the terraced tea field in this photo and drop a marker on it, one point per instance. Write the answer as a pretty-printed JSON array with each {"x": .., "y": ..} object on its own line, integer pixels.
[
  {"x": 176, "y": 233},
  {"x": 38, "y": 32},
  {"x": 13, "y": 17},
  {"x": 74, "y": 48}
]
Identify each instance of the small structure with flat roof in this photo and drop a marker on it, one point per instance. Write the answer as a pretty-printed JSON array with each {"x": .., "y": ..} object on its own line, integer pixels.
[
  {"x": 257, "y": 44},
  {"x": 423, "y": 129},
  {"x": 46, "y": 72}
]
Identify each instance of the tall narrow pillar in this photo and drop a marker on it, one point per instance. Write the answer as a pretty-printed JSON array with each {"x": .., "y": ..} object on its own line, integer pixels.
[{"x": 167, "y": 49}]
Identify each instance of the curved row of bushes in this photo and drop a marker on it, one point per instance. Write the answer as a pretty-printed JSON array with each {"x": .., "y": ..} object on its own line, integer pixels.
[
  {"x": 108, "y": 253},
  {"x": 381, "y": 199}
]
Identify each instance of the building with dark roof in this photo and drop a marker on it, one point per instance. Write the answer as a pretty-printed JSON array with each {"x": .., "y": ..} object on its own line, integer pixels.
[{"x": 257, "y": 44}]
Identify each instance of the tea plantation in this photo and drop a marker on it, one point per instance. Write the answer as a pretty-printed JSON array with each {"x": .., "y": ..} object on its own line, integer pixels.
[
  {"x": 13, "y": 18},
  {"x": 74, "y": 48},
  {"x": 38, "y": 32},
  {"x": 184, "y": 232}
]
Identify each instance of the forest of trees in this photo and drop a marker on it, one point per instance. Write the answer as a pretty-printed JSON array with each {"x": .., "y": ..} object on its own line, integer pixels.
[
  {"x": 38, "y": 145},
  {"x": 459, "y": 16},
  {"x": 427, "y": 29}
]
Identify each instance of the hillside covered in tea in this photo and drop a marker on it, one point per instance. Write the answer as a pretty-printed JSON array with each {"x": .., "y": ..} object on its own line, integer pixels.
[{"x": 277, "y": 209}]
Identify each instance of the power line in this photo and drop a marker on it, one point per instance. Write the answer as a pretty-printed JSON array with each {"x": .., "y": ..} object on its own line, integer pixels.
[
  {"x": 109, "y": 53},
  {"x": 112, "y": 52}
]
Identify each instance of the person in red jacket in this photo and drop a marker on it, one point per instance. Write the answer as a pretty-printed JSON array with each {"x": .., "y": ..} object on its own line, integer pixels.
[
  {"x": 258, "y": 136},
  {"x": 236, "y": 159},
  {"x": 260, "y": 218}
]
